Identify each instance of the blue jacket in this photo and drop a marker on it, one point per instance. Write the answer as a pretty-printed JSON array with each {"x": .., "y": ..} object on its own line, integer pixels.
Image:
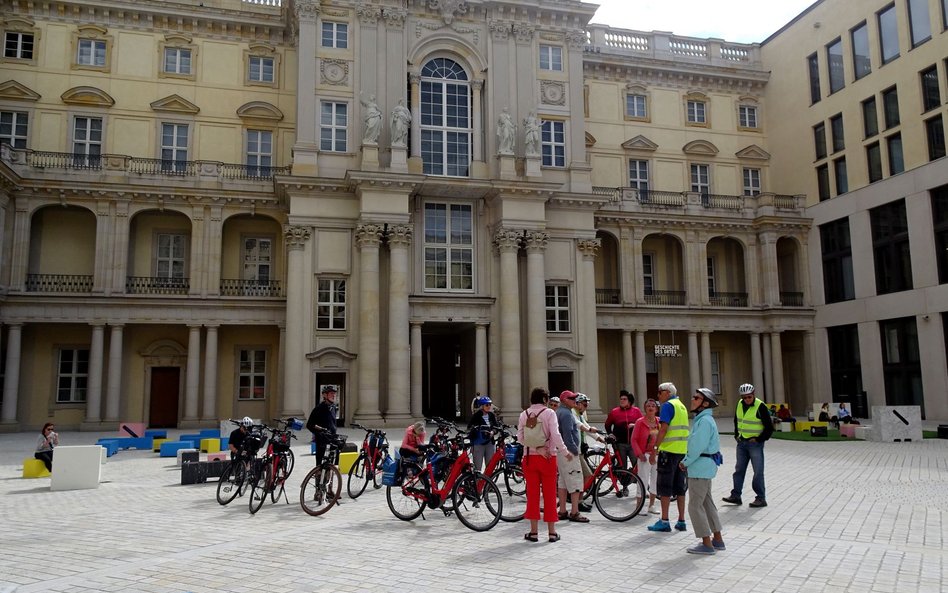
[
  {"x": 702, "y": 439},
  {"x": 569, "y": 429}
]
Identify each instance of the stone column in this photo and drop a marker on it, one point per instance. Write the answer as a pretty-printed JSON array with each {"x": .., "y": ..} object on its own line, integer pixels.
[
  {"x": 477, "y": 152},
  {"x": 633, "y": 272},
  {"x": 417, "y": 354},
  {"x": 586, "y": 301},
  {"x": 768, "y": 374},
  {"x": 94, "y": 387},
  {"x": 641, "y": 377},
  {"x": 214, "y": 230},
  {"x": 193, "y": 375},
  {"x": 415, "y": 99},
  {"x": 706, "y": 359},
  {"x": 767, "y": 270},
  {"x": 304, "y": 150},
  {"x": 198, "y": 259},
  {"x": 777, "y": 352},
  {"x": 103, "y": 239},
  {"x": 628, "y": 374},
  {"x": 114, "y": 394},
  {"x": 810, "y": 368},
  {"x": 210, "y": 374},
  {"x": 11, "y": 377},
  {"x": 537, "y": 364},
  {"x": 19, "y": 258},
  {"x": 508, "y": 244},
  {"x": 694, "y": 373},
  {"x": 368, "y": 237},
  {"x": 119, "y": 256},
  {"x": 757, "y": 370},
  {"x": 480, "y": 358},
  {"x": 296, "y": 291},
  {"x": 399, "y": 380}
]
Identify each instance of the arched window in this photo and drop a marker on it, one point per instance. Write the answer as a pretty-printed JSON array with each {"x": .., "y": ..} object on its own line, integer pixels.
[{"x": 445, "y": 119}]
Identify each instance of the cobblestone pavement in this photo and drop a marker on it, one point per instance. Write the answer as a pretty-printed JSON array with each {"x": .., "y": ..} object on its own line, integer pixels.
[{"x": 846, "y": 516}]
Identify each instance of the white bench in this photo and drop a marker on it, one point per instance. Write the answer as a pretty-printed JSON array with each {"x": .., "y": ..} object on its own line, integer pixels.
[{"x": 77, "y": 467}]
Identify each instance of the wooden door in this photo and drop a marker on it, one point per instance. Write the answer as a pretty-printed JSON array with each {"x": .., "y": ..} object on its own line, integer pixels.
[{"x": 163, "y": 410}]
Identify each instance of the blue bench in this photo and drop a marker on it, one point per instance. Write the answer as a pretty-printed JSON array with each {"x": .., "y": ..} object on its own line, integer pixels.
[
  {"x": 141, "y": 443},
  {"x": 210, "y": 433},
  {"x": 156, "y": 433},
  {"x": 111, "y": 446},
  {"x": 170, "y": 448},
  {"x": 192, "y": 438},
  {"x": 225, "y": 442}
]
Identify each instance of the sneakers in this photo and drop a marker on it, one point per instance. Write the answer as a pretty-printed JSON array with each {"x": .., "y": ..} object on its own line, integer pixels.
[
  {"x": 718, "y": 545},
  {"x": 701, "y": 549},
  {"x": 680, "y": 526},
  {"x": 758, "y": 503},
  {"x": 652, "y": 510},
  {"x": 660, "y": 525},
  {"x": 732, "y": 500}
]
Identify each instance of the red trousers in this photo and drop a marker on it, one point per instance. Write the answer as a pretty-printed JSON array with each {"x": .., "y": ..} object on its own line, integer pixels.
[{"x": 540, "y": 474}]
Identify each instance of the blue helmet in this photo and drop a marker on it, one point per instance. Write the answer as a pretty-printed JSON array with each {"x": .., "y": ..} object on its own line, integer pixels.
[{"x": 482, "y": 401}]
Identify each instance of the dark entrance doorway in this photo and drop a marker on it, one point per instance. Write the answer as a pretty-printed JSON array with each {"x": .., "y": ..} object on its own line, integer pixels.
[
  {"x": 560, "y": 381},
  {"x": 447, "y": 370},
  {"x": 163, "y": 408},
  {"x": 339, "y": 380}
]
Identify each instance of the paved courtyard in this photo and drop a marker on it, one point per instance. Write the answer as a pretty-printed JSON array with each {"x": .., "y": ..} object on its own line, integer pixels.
[{"x": 848, "y": 516}]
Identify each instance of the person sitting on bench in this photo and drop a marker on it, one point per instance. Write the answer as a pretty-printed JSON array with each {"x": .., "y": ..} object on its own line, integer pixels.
[{"x": 44, "y": 445}]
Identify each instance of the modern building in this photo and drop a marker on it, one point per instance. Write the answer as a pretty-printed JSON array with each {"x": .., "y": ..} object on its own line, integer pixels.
[{"x": 211, "y": 209}]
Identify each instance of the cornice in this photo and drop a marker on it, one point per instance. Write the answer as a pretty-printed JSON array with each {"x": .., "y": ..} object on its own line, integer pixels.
[{"x": 677, "y": 75}]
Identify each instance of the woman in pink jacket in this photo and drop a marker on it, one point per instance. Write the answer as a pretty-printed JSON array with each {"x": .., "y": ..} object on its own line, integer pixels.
[
  {"x": 540, "y": 445},
  {"x": 643, "y": 438}
]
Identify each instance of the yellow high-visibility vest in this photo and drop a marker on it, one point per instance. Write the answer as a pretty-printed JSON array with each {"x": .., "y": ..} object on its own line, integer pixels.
[
  {"x": 748, "y": 423},
  {"x": 676, "y": 437}
]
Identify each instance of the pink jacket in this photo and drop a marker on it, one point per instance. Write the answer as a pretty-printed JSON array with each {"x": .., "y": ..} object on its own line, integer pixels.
[
  {"x": 554, "y": 442},
  {"x": 640, "y": 437}
]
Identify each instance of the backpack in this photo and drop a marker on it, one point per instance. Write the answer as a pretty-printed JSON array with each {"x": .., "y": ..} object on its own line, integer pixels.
[{"x": 533, "y": 435}]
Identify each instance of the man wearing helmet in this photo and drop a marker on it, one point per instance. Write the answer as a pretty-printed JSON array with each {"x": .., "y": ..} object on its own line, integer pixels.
[
  {"x": 752, "y": 427},
  {"x": 701, "y": 462},
  {"x": 323, "y": 417},
  {"x": 238, "y": 435},
  {"x": 479, "y": 427}
]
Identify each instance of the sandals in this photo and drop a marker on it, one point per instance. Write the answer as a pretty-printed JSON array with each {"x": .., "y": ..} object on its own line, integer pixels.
[
  {"x": 531, "y": 537},
  {"x": 577, "y": 518},
  {"x": 563, "y": 515},
  {"x": 555, "y": 537}
]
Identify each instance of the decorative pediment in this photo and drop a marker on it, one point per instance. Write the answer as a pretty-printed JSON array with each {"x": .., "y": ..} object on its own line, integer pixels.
[
  {"x": 700, "y": 147},
  {"x": 178, "y": 38},
  {"x": 590, "y": 140},
  {"x": 262, "y": 47},
  {"x": 563, "y": 358},
  {"x": 14, "y": 91},
  {"x": 18, "y": 22},
  {"x": 175, "y": 104},
  {"x": 88, "y": 96},
  {"x": 753, "y": 152},
  {"x": 259, "y": 110},
  {"x": 640, "y": 142},
  {"x": 332, "y": 358},
  {"x": 91, "y": 30}
]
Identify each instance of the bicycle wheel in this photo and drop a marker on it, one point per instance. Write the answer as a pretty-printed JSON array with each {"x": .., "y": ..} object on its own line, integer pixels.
[
  {"x": 320, "y": 489},
  {"x": 618, "y": 503},
  {"x": 358, "y": 478},
  {"x": 290, "y": 462},
  {"x": 407, "y": 501},
  {"x": 377, "y": 475},
  {"x": 594, "y": 457},
  {"x": 260, "y": 485},
  {"x": 279, "y": 480},
  {"x": 230, "y": 483},
  {"x": 513, "y": 489},
  {"x": 477, "y": 501}
]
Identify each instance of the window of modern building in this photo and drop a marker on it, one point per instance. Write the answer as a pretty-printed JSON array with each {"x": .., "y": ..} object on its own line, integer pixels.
[
  {"x": 920, "y": 22},
  {"x": 259, "y": 157},
  {"x": 837, "y": 73},
  {"x": 174, "y": 147},
  {"x": 557, "y": 308},
  {"x": 171, "y": 255},
  {"x": 696, "y": 113},
  {"x": 747, "y": 116},
  {"x": 553, "y": 143},
  {"x": 445, "y": 119},
  {"x": 335, "y": 35},
  {"x": 86, "y": 141},
  {"x": 823, "y": 182},
  {"x": 890, "y": 247},
  {"x": 709, "y": 270},
  {"x": 18, "y": 45},
  {"x": 331, "y": 304},
  {"x": 813, "y": 69},
  {"x": 648, "y": 271},
  {"x": 551, "y": 58},
  {"x": 842, "y": 179},
  {"x": 252, "y": 374},
  {"x": 838, "y": 133},
  {"x": 939, "y": 197},
  {"x": 257, "y": 259},
  {"x": 901, "y": 364},
  {"x": 638, "y": 177},
  {"x": 894, "y": 145},
  {"x": 845, "y": 369},
  {"x": 859, "y": 37},
  {"x": 751, "y": 181},
  {"x": 819, "y": 140},
  {"x": 449, "y": 247},
  {"x": 870, "y": 119},
  {"x": 91, "y": 52},
  {"x": 333, "y": 123},
  {"x": 935, "y": 133},
  {"x": 890, "y": 107},
  {"x": 837, "y": 261},
  {"x": 874, "y": 161},
  {"x": 701, "y": 179},
  {"x": 888, "y": 34},
  {"x": 177, "y": 61},
  {"x": 636, "y": 106},
  {"x": 72, "y": 375},
  {"x": 931, "y": 96},
  {"x": 261, "y": 69}
]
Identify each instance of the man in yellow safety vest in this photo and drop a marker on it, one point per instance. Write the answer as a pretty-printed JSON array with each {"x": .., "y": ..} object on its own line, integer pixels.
[
  {"x": 671, "y": 444},
  {"x": 752, "y": 427}
]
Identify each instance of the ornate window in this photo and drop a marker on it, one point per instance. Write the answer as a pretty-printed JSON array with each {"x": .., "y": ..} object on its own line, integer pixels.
[
  {"x": 331, "y": 304},
  {"x": 751, "y": 181},
  {"x": 14, "y": 128},
  {"x": 92, "y": 48},
  {"x": 257, "y": 259},
  {"x": 553, "y": 143},
  {"x": 333, "y": 122},
  {"x": 446, "y": 132},
  {"x": 551, "y": 58},
  {"x": 178, "y": 57},
  {"x": 174, "y": 147},
  {"x": 696, "y": 110},
  {"x": 20, "y": 40},
  {"x": 557, "y": 308},
  {"x": 262, "y": 65},
  {"x": 334, "y": 35},
  {"x": 259, "y": 153},
  {"x": 449, "y": 247},
  {"x": 86, "y": 141}
]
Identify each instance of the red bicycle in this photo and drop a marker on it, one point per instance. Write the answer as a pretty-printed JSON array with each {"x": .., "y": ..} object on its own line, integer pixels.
[
  {"x": 270, "y": 477},
  {"x": 369, "y": 464},
  {"x": 505, "y": 470},
  {"x": 618, "y": 493}
]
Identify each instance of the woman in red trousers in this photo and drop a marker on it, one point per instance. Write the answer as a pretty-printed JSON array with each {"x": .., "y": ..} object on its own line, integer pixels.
[{"x": 540, "y": 445}]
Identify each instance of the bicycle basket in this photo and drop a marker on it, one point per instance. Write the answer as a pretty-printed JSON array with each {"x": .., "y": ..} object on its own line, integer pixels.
[
  {"x": 281, "y": 441},
  {"x": 514, "y": 453},
  {"x": 252, "y": 442},
  {"x": 376, "y": 441},
  {"x": 295, "y": 424}
]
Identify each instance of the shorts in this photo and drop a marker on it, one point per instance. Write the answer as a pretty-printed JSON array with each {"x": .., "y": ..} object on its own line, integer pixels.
[
  {"x": 569, "y": 474},
  {"x": 672, "y": 480}
]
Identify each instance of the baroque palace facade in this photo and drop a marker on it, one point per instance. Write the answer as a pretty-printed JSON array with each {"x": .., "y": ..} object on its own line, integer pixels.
[{"x": 211, "y": 209}]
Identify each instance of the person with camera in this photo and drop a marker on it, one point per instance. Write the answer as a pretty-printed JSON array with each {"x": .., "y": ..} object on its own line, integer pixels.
[{"x": 44, "y": 445}]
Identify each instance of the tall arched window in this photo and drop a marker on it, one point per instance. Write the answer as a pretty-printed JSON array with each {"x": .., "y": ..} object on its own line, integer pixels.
[{"x": 445, "y": 119}]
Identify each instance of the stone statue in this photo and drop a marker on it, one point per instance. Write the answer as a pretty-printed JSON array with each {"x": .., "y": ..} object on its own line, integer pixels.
[
  {"x": 506, "y": 131},
  {"x": 372, "y": 119},
  {"x": 531, "y": 134},
  {"x": 401, "y": 122}
]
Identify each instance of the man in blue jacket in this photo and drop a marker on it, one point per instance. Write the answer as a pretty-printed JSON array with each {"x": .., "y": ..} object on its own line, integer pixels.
[{"x": 701, "y": 461}]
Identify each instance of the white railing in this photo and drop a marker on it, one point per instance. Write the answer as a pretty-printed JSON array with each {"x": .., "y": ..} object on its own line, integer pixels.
[
  {"x": 264, "y": 2},
  {"x": 656, "y": 44},
  {"x": 694, "y": 49},
  {"x": 627, "y": 41}
]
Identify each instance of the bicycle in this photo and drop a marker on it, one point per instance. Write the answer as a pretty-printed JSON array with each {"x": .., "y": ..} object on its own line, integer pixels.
[
  {"x": 322, "y": 486},
  {"x": 269, "y": 476},
  {"x": 234, "y": 479},
  {"x": 609, "y": 487},
  {"x": 505, "y": 470},
  {"x": 369, "y": 463}
]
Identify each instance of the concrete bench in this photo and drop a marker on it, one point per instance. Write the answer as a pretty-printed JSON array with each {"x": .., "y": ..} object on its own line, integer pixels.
[
  {"x": 140, "y": 443},
  {"x": 170, "y": 448},
  {"x": 345, "y": 462},
  {"x": 210, "y": 445},
  {"x": 225, "y": 442},
  {"x": 785, "y": 426},
  {"x": 156, "y": 444},
  {"x": 132, "y": 429},
  {"x": 221, "y": 456},
  {"x": 210, "y": 433},
  {"x": 862, "y": 432},
  {"x": 77, "y": 467},
  {"x": 111, "y": 446},
  {"x": 806, "y": 426},
  {"x": 187, "y": 456},
  {"x": 847, "y": 430},
  {"x": 156, "y": 433},
  {"x": 34, "y": 468},
  {"x": 193, "y": 438}
]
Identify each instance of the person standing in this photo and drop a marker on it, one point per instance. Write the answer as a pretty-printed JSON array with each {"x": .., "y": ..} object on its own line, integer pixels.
[
  {"x": 570, "y": 471},
  {"x": 401, "y": 122},
  {"x": 701, "y": 462},
  {"x": 505, "y": 133},
  {"x": 644, "y": 434},
  {"x": 671, "y": 444},
  {"x": 539, "y": 432},
  {"x": 482, "y": 422},
  {"x": 752, "y": 428},
  {"x": 47, "y": 440},
  {"x": 619, "y": 423},
  {"x": 323, "y": 417}
]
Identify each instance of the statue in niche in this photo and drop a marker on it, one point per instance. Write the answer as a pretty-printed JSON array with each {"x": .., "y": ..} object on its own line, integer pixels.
[
  {"x": 372, "y": 118},
  {"x": 531, "y": 134},
  {"x": 401, "y": 123},
  {"x": 506, "y": 131}
]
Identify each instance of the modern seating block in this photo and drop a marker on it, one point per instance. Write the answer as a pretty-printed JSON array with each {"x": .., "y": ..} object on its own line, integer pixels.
[
  {"x": 805, "y": 426},
  {"x": 187, "y": 456},
  {"x": 34, "y": 468},
  {"x": 862, "y": 432},
  {"x": 345, "y": 462},
  {"x": 847, "y": 430},
  {"x": 210, "y": 445},
  {"x": 77, "y": 467},
  {"x": 220, "y": 456},
  {"x": 141, "y": 443},
  {"x": 896, "y": 423},
  {"x": 784, "y": 427},
  {"x": 135, "y": 429},
  {"x": 195, "y": 438},
  {"x": 111, "y": 446},
  {"x": 210, "y": 433},
  {"x": 156, "y": 444},
  {"x": 225, "y": 442},
  {"x": 170, "y": 448},
  {"x": 156, "y": 433}
]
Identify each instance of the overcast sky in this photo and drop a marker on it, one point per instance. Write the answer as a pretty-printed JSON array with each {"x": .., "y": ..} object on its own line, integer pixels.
[{"x": 744, "y": 21}]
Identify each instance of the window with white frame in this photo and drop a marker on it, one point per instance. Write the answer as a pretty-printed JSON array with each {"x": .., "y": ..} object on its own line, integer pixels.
[
  {"x": 557, "y": 308},
  {"x": 701, "y": 179},
  {"x": 252, "y": 374},
  {"x": 86, "y": 141},
  {"x": 257, "y": 259},
  {"x": 72, "y": 375},
  {"x": 335, "y": 35},
  {"x": 449, "y": 247},
  {"x": 91, "y": 52},
  {"x": 551, "y": 58},
  {"x": 751, "y": 182},
  {"x": 14, "y": 127},
  {"x": 331, "y": 303},
  {"x": 170, "y": 257},
  {"x": 553, "y": 143},
  {"x": 716, "y": 372},
  {"x": 174, "y": 147},
  {"x": 259, "y": 153},
  {"x": 710, "y": 270},
  {"x": 747, "y": 116},
  {"x": 446, "y": 120},
  {"x": 648, "y": 273},
  {"x": 697, "y": 112},
  {"x": 333, "y": 123},
  {"x": 18, "y": 45},
  {"x": 177, "y": 61},
  {"x": 638, "y": 174},
  {"x": 261, "y": 69},
  {"x": 636, "y": 106}
]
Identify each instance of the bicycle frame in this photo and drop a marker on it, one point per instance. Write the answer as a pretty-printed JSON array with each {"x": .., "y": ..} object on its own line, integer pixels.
[
  {"x": 606, "y": 462},
  {"x": 460, "y": 464}
]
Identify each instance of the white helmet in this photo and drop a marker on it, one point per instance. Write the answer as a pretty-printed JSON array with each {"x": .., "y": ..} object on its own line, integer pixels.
[
  {"x": 246, "y": 422},
  {"x": 745, "y": 389}
]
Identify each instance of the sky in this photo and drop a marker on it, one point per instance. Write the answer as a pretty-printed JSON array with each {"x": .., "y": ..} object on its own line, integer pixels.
[{"x": 743, "y": 21}]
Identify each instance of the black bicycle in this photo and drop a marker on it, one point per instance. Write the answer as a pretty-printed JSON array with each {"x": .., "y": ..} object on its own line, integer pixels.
[
  {"x": 234, "y": 480},
  {"x": 270, "y": 474},
  {"x": 322, "y": 486}
]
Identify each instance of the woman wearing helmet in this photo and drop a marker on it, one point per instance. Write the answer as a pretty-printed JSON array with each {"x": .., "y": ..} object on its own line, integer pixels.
[
  {"x": 480, "y": 425},
  {"x": 702, "y": 461}
]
